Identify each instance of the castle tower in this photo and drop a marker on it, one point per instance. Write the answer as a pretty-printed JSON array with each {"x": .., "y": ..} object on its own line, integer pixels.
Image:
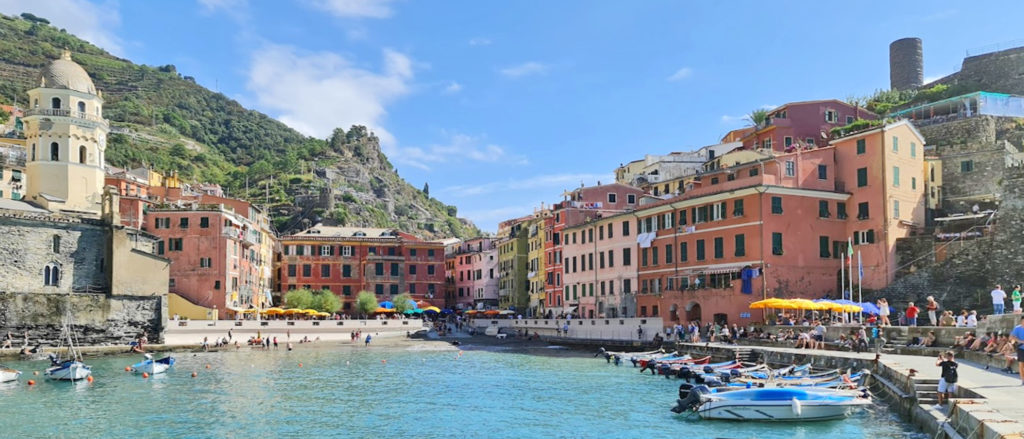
[
  {"x": 66, "y": 137},
  {"x": 906, "y": 64}
]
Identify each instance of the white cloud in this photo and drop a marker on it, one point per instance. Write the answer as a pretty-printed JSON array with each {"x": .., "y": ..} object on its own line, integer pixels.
[
  {"x": 478, "y": 41},
  {"x": 89, "y": 21},
  {"x": 355, "y": 8},
  {"x": 453, "y": 87},
  {"x": 552, "y": 183},
  {"x": 727, "y": 119},
  {"x": 317, "y": 92},
  {"x": 681, "y": 74},
  {"x": 524, "y": 69},
  {"x": 226, "y": 5},
  {"x": 458, "y": 148}
]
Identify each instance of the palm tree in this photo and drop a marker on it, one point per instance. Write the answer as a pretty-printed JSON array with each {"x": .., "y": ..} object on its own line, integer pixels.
[{"x": 757, "y": 117}]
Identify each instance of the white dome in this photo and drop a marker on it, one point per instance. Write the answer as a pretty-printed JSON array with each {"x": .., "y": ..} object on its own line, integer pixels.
[{"x": 67, "y": 74}]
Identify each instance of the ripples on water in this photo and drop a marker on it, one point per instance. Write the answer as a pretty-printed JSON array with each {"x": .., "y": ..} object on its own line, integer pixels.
[{"x": 424, "y": 391}]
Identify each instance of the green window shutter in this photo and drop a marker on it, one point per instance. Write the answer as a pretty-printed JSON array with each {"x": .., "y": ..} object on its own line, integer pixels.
[
  {"x": 861, "y": 146},
  {"x": 862, "y": 177},
  {"x": 741, "y": 249}
]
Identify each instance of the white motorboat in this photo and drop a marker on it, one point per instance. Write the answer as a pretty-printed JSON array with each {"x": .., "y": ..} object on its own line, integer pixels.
[
  {"x": 151, "y": 366},
  {"x": 772, "y": 404},
  {"x": 7, "y": 374}
]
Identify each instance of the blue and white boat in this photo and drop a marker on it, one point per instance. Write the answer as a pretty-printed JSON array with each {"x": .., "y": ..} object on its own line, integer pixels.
[
  {"x": 772, "y": 404},
  {"x": 71, "y": 368},
  {"x": 151, "y": 366}
]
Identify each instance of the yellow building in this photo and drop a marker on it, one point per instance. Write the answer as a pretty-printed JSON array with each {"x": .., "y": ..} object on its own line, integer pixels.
[
  {"x": 513, "y": 286},
  {"x": 535, "y": 274},
  {"x": 67, "y": 137},
  {"x": 12, "y": 168}
]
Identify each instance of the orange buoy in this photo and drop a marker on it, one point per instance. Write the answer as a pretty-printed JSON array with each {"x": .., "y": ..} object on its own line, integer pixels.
[
  {"x": 300, "y": 364},
  {"x": 383, "y": 361},
  {"x": 89, "y": 378},
  {"x": 31, "y": 382},
  {"x": 127, "y": 368},
  {"x": 194, "y": 374},
  {"x": 145, "y": 375},
  {"x": 207, "y": 366}
]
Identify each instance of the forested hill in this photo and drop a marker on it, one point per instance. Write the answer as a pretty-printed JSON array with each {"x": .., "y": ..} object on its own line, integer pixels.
[{"x": 163, "y": 119}]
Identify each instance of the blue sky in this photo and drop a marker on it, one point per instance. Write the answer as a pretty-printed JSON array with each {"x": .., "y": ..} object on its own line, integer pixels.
[{"x": 502, "y": 106}]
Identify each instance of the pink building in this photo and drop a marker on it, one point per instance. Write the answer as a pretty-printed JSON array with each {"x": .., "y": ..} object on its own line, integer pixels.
[
  {"x": 601, "y": 275},
  {"x": 475, "y": 274},
  {"x": 806, "y": 123}
]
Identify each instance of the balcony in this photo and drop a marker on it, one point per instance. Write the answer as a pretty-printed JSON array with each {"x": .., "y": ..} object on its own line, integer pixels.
[{"x": 65, "y": 113}]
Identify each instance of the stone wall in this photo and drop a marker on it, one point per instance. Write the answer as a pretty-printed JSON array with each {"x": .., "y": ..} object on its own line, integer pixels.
[
  {"x": 996, "y": 71},
  {"x": 980, "y": 129},
  {"x": 98, "y": 319},
  {"x": 27, "y": 246},
  {"x": 914, "y": 253}
]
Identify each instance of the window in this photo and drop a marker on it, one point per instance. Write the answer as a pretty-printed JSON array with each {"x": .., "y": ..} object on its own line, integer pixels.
[
  {"x": 292, "y": 270},
  {"x": 81, "y": 106},
  {"x": 862, "y": 146},
  {"x": 183, "y": 223},
  {"x": 205, "y": 262},
  {"x": 913, "y": 150},
  {"x": 862, "y": 211},
  {"x": 741, "y": 245},
  {"x": 346, "y": 250},
  {"x": 700, "y": 249},
  {"x": 216, "y": 285},
  {"x": 391, "y": 251},
  {"x": 840, "y": 210},
  {"x": 754, "y": 172},
  {"x": 896, "y": 209},
  {"x": 630, "y": 198},
  {"x": 378, "y": 269},
  {"x": 895, "y": 176},
  {"x": 719, "y": 248},
  {"x": 668, "y": 253},
  {"x": 55, "y": 103},
  {"x": 346, "y": 290},
  {"x": 82, "y": 154},
  {"x": 326, "y": 250},
  {"x": 163, "y": 223},
  {"x": 56, "y": 244},
  {"x": 325, "y": 270},
  {"x": 849, "y": 120},
  {"x": 790, "y": 168},
  {"x": 611, "y": 198},
  {"x": 626, "y": 257},
  {"x": 966, "y": 166},
  {"x": 683, "y": 252},
  {"x": 378, "y": 289},
  {"x": 170, "y": 282},
  {"x": 159, "y": 247},
  {"x": 430, "y": 253},
  {"x": 300, "y": 250},
  {"x": 54, "y": 152},
  {"x": 714, "y": 180},
  {"x": 718, "y": 211},
  {"x": 307, "y": 270},
  {"x": 862, "y": 237},
  {"x": 776, "y": 243},
  {"x": 174, "y": 244},
  {"x": 823, "y": 243},
  {"x": 831, "y": 116},
  {"x": 430, "y": 270},
  {"x": 393, "y": 289},
  {"x": 788, "y": 141},
  {"x": 346, "y": 270},
  {"x": 809, "y": 141},
  {"x": 737, "y": 208},
  {"x": 766, "y": 143},
  {"x": 394, "y": 269},
  {"x": 51, "y": 275},
  {"x": 777, "y": 205},
  {"x": 412, "y": 269},
  {"x": 204, "y": 222},
  {"x": 822, "y": 172},
  {"x": 895, "y": 144},
  {"x": 862, "y": 177},
  {"x": 823, "y": 209}
]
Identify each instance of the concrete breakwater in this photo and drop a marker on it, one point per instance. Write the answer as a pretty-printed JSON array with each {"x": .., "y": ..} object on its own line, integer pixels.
[{"x": 985, "y": 405}]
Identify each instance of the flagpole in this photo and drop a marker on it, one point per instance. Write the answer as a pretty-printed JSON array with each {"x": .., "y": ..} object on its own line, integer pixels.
[
  {"x": 842, "y": 273},
  {"x": 860, "y": 282},
  {"x": 849, "y": 253}
]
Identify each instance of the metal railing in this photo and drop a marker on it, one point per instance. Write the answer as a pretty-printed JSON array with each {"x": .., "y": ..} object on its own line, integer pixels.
[{"x": 60, "y": 112}]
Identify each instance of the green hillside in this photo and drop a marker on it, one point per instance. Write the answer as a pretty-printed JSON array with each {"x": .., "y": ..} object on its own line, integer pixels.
[{"x": 167, "y": 121}]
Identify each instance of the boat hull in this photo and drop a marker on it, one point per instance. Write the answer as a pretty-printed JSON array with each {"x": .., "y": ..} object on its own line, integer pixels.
[
  {"x": 779, "y": 410},
  {"x": 150, "y": 367},
  {"x": 70, "y": 371},
  {"x": 8, "y": 375}
]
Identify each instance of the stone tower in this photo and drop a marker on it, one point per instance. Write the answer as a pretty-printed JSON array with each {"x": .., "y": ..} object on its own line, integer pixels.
[
  {"x": 66, "y": 136},
  {"x": 906, "y": 64}
]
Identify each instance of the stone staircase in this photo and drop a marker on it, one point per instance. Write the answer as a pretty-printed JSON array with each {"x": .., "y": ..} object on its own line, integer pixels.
[
  {"x": 746, "y": 355},
  {"x": 926, "y": 390}
]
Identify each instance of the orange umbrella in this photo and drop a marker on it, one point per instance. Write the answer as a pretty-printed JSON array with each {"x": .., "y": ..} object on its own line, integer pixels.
[
  {"x": 383, "y": 310},
  {"x": 492, "y": 312},
  {"x": 423, "y": 304}
]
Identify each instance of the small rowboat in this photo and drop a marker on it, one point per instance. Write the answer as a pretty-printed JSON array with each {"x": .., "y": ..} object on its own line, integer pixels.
[
  {"x": 7, "y": 374},
  {"x": 153, "y": 367}
]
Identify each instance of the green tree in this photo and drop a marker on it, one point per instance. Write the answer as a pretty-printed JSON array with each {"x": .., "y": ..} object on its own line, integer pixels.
[
  {"x": 301, "y": 298},
  {"x": 325, "y": 301},
  {"x": 426, "y": 189},
  {"x": 401, "y": 302},
  {"x": 366, "y": 302},
  {"x": 757, "y": 117}
]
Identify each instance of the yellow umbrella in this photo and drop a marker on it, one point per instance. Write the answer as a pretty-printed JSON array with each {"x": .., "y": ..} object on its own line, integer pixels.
[
  {"x": 382, "y": 310},
  {"x": 292, "y": 311},
  {"x": 273, "y": 311},
  {"x": 250, "y": 311},
  {"x": 767, "y": 303},
  {"x": 431, "y": 308},
  {"x": 807, "y": 304}
]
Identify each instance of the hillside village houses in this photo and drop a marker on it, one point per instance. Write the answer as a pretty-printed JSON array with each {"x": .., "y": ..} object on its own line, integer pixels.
[{"x": 683, "y": 236}]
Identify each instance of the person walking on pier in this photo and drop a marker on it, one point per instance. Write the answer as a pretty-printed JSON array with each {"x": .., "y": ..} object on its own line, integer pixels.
[
  {"x": 947, "y": 381},
  {"x": 932, "y": 308},
  {"x": 1017, "y": 337},
  {"x": 1015, "y": 299},
  {"x": 912, "y": 314},
  {"x": 883, "y": 312},
  {"x": 998, "y": 300},
  {"x": 639, "y": 332}
]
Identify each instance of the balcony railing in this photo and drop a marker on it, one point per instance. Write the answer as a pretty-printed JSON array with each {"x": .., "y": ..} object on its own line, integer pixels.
[{"x": 59, "y": 112}]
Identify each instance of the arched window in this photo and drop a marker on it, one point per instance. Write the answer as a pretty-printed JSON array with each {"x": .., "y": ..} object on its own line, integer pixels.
[
  {"x": 82, "y": 152},
  {"x": 51, "y": 275},
  {"x": 81, "y": 106},
  {"x": 55, "y": 103},
  {"x": 54, "y": 152},
  {"x": 56, "y": 243},
  {"x": 35, "y": 103}
]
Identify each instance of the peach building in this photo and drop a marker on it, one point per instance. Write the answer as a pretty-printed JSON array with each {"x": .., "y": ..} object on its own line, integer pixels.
[{"x": 600, "y": 270}]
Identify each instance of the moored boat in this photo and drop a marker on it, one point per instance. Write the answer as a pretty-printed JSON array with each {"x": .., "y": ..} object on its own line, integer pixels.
[
  {"x": 151, "y": 366},
  {"x": 71, "y": 368},
  {"x": 7, "y": 374},
  {"x": 772, "y": 404}
]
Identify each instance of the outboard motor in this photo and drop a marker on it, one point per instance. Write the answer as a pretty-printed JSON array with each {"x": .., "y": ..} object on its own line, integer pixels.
[
  {"x": 713, "y": 382},
  {"x": 600, "y": 351},
  {"x": 698, "y": 378},
  {"x": 709, "y": 369},
  {"x": 725, "y": 377},
  {"x": 735, "y": 373},
  {"x": 53, "y": 359},
  {"x": 684, "y": 390},
  {"x": 618, "y": 360},
  {"x": 692, "y": 400},
  {"x": 685, "y": 373}
]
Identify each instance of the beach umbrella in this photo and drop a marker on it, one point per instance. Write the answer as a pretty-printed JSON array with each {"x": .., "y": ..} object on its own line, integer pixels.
[
  {"x": 383, "y": 310},
  {"x": 250, "y": 311},
  {"x": 446, "y": 311},
  {"x": 431, "y": 309},
  {"x": 412, "y": 304},
  {"x": 410, "y": 311},
  {"x": 271, "y": 311},
  {"x": 506, "y": 312},
  {"x": 492, "y": 312},
  {"x": 869, "y": 308},
  {"x": 423, "y": 304},
  {"x": 387, "y": 304},
  {"x": 310, "y": 311},
  {"x": 767, "y": 303},
  {"x": 292, "y": 311}
]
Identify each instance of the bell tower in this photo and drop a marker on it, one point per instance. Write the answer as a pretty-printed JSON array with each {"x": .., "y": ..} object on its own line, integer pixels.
[{"x": 66, "y": 138}]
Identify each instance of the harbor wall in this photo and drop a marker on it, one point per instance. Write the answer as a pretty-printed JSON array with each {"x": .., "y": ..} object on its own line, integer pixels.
[
  {"x": 99, "y": 319},
  {"x": 596, "y": 330}
]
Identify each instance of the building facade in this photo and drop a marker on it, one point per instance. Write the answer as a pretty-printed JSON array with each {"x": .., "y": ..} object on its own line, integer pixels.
[
  {"x": 803, "y": 124},
  {"x": 12, "y": 168}
]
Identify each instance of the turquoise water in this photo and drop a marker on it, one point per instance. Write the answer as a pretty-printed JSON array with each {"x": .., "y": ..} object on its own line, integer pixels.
[{"x": 348, "y": 392}]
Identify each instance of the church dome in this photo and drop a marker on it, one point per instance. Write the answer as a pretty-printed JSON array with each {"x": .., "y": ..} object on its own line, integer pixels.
[{"x": 67, "y": 74}]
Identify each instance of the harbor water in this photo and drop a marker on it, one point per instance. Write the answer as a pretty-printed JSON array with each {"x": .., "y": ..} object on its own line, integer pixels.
[{"x": 416, "y": 390}]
